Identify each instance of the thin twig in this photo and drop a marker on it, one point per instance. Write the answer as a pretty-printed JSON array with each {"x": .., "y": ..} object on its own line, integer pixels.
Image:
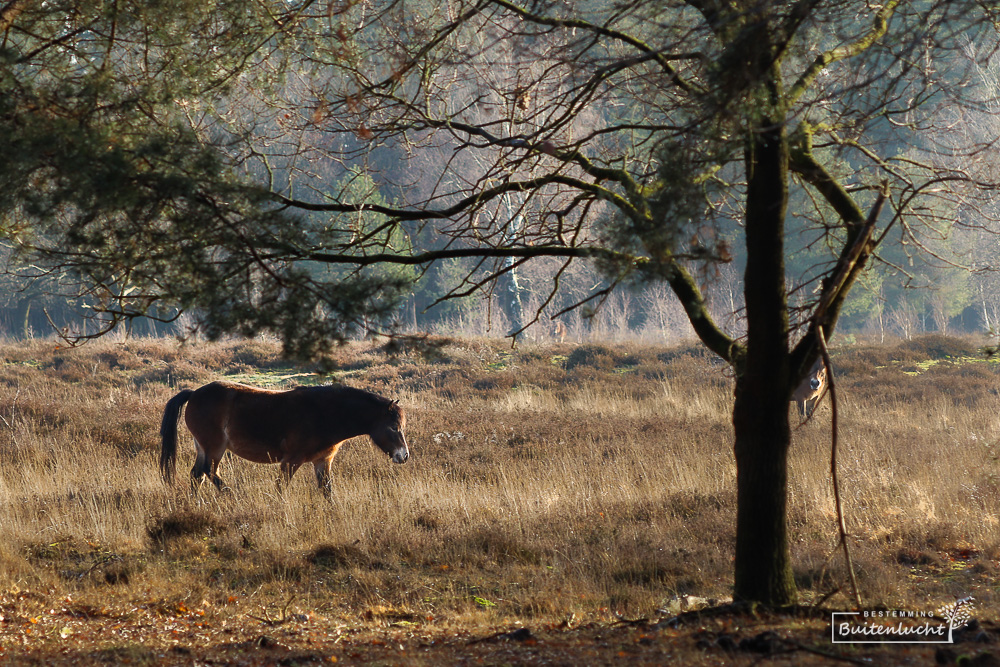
[
  {"x": 826, "y": 596},
  {"x": 621, "y": 620},
  {"x": 841, "y": 525},
  {"x": 285, "y": 617}
]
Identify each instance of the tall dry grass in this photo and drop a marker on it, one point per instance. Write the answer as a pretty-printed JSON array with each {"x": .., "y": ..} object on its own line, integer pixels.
[{"x": 544, "y": 482}]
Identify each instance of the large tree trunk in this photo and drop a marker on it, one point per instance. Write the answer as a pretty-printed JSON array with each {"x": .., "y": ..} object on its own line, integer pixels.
[
  {"x": 763, "y": 571},
  {"x": 763, "y": 377}
]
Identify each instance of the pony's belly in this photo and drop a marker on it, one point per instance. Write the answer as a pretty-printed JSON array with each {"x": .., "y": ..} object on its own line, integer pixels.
[
  {"x": 257, "y": 455},
  {"x": 291, "y": 452},
  {"x": 255, "y": 450}
]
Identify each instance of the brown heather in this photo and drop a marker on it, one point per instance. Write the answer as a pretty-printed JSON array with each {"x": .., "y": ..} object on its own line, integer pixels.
[{"x": 546, "y": 483}]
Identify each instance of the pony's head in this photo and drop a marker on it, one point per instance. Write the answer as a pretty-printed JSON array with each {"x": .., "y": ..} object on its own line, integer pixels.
[{"x": 388, "y": 433}]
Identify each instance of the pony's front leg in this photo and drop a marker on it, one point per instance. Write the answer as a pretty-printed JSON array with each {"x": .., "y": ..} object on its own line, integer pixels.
[
  {"x": 285, "y": 476},
  {"x": 322, "y": 470}
]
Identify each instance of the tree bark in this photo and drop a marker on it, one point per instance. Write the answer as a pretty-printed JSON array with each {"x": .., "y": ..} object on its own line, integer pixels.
[
  {"x": 763, "y": 571},
  {"x": 762, "y": 430},
  {"x": 23, "y": 318}
]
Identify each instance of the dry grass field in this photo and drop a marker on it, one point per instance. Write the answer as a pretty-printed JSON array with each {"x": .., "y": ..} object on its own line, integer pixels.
[{"x": 581, "y": 492}]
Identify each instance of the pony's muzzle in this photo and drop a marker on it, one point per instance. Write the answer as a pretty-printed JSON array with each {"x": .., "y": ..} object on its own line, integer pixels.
[{"x": 400, "y": 456}]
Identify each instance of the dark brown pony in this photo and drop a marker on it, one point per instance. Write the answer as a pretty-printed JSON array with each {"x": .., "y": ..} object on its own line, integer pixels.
[
  {"x": 811, "y": 389},
  {"x": 304, "y": 425}
]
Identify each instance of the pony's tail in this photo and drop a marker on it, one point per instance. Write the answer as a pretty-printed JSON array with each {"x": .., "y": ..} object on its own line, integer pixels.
[{"x": 168, "y": 432}]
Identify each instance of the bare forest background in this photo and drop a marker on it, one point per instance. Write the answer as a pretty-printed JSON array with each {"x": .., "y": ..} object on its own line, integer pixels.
[{"x": 939, "y": 278}]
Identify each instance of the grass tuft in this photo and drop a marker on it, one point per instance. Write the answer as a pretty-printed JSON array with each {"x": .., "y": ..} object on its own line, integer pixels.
[{"x": 185, "y": 523}]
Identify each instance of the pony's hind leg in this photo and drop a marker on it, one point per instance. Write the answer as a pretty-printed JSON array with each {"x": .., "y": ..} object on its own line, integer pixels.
[
  {"x": 200, "y": 469},
  {"x": 322, "y": 470},
  {"x": 205, "y": 466}
]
